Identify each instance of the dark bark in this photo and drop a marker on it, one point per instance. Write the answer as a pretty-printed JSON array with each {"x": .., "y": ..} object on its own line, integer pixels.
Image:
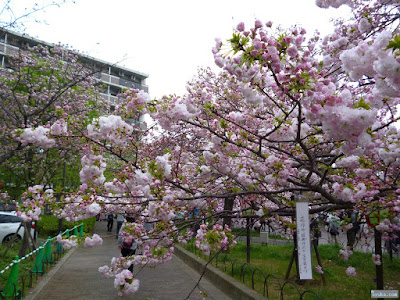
[
  {"x": 378, "y": 251},
  {"x": 26, "y": 239},
  {"x": 351, "y": 238},
  {"x": 228, "y": 207},
  {"x": 248, "y": 240}
]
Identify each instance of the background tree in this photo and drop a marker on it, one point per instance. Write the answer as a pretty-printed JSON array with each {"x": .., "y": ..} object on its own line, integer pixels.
[
  {"x": 37, "y": 85},
  {"x": 14, "y": 15},
  {"x": 37, "y": 88}
]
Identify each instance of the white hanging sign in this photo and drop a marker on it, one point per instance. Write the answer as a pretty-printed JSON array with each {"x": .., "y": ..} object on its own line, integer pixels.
[{"x": 303, "y": 240}]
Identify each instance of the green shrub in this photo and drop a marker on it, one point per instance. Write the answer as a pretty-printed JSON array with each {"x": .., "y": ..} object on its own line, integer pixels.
[{"x": 48, "y": 225}]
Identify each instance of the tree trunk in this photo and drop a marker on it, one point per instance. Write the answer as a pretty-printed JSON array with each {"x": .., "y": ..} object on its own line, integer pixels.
[
  {"x": 378, "y": 251},
  {"x": 60, "y": 225},
  {"x": 25, "y": 240},
  {"x": 351, "y": 238},
  {"x": 228, "y": 207},
  {"x": 60, "y": 220},
  {"x": 248, "y": 239}
]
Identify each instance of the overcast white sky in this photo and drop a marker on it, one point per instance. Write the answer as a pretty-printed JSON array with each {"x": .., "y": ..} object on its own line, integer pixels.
[{"x": 168, "y": 40}]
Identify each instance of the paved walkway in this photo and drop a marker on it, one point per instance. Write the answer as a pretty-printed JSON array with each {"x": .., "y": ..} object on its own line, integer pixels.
[{"x": 77, "y": 277}]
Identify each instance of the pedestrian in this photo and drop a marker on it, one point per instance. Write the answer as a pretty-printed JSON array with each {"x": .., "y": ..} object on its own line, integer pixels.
[
  {"x": 333, "y": 227},
  {"x": 127, "y": 246},
  {"x": 110, "y": 222},
  {"x": 120, "y": 221}
]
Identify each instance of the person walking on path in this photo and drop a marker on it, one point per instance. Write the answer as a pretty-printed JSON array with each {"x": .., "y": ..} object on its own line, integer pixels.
[
  {"x": 127, "y": 246},
  {"x": 110, "y": 222},
  {"x": 120, "y": 221},
  {"x": 78, "y": 277},
  {"x": 333, "y": 227}
]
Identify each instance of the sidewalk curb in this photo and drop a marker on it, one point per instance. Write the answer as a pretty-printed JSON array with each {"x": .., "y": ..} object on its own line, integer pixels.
[
  {"x": 47, "y": 277},
  {"x": 231, "y": 287}
]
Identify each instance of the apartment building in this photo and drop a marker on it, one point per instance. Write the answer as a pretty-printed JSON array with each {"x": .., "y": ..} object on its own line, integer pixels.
[{"x": 113, "y": 77}]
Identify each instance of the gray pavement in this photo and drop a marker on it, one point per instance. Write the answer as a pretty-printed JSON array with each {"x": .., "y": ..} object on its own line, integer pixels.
[{"x": 76, "y": 276}]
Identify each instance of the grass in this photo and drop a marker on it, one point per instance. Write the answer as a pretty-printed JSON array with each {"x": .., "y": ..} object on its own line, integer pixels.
[
  {"x": 24, "y": 266},
  {"x": 275, "y": 260}
]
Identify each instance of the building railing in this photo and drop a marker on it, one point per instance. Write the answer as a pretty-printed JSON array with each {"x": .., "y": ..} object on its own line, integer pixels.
[
  {"x": 7, "y": 48},
  {"x": 121, "y": 82},
  {"x": 130, "y": 84},
  {"x": 112, "y": 100}
]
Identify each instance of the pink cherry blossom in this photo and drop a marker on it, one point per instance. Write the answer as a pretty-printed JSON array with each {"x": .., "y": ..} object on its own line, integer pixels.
[
  {"x": 376, "y": 259},
  {"x": 94, "y": 241},
  {"x": 351, "y": 271},
  {"x": 319, "y": 270}
]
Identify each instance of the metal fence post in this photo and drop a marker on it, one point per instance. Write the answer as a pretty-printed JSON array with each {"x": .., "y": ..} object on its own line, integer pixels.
[
  {"x": 11, "y": 287},
  {"x": 47, "y": 251},
  {"x": 38, "y": 265},
  {"x": 59, "y": 247},
  {"x": 81, "y": 230}
]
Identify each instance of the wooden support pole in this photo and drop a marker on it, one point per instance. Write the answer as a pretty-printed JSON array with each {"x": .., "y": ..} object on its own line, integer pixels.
[
  {"x": 315, "y": 243},
  {"x": 290, "y": 264}
]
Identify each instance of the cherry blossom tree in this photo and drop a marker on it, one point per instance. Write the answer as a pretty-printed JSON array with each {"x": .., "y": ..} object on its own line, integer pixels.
[
  {"x": 38, "y": 84},
  {"x": 289, "y": 116}
]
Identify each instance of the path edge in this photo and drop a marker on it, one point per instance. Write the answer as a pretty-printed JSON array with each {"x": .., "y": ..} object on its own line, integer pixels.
[
  {"x": 47, "y": 277},
  {"x": 229, "y": 285}
]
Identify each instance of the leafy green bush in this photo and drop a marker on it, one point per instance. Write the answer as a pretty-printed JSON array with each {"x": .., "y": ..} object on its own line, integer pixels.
[{"x": 48, "y": 225}]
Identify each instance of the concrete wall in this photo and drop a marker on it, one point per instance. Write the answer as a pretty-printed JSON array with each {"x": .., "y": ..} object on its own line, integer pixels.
[{"x": 230, "y": 286}]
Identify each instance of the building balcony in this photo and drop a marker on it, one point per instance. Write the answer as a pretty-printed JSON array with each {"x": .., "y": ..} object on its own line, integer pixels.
[
  {"x": 122, "y": 83},
  {"x": 110, "y": 99},
  {"x": 8, "y": 49}
]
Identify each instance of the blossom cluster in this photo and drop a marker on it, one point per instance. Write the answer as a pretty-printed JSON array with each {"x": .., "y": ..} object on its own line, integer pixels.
[
  {"x": 68, "y": 243},
  {"x": 111, "y": 129},
  {"x": 376, "y": 259},
  {"x": 39, "y": 136},
  {"x": 351, "y": 271},
  {"x": 345, "y": 254},
  {"x": 94, "y": 241},
  {"x": 125, "y": 283},
  {"x": 215, "y": 239},
  {"x": 92, "y": 170},
  {"x": 319, "y": 270},
  {"x": 33, "y": 203}
]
